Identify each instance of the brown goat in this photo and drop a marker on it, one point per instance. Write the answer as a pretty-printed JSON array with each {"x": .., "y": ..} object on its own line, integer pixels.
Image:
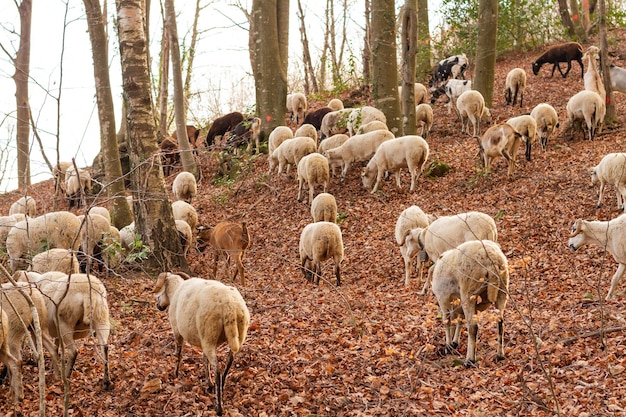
[{"x": 229, "y": 239}]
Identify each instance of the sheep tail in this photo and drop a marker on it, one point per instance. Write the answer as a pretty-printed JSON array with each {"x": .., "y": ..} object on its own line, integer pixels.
[
  {"x": 87, "y": 311},
  {"x": 232, "y": 330},
  {"x": 494, "y": 284}
]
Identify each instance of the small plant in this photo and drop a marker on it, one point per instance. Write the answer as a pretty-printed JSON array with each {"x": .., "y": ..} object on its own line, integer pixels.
[
  {"x": 137, "y": 251},
  {"x": 341, "y": 216}
]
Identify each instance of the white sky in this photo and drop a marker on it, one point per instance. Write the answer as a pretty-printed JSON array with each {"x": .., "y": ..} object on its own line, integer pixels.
[{"x": 221, "y": 71}]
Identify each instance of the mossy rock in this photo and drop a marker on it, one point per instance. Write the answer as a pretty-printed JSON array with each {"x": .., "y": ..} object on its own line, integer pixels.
[{"x": 437, "y": 169}]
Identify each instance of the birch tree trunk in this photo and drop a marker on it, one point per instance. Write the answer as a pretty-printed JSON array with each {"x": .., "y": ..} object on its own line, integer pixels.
[
  {"x": 164, "y": 79},
  {"x": 153, "y": 211},
  {"x": 486, "y": 48},
  {"x": 408, "y": 20},
  {"x": 367, "y": 45},
  {"x": 22, "y": 71},
  {"x": 114, "y": 182}
]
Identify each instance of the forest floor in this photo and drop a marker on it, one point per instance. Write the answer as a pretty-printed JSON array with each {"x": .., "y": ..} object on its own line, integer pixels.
[{"x": 371, "y": 346}]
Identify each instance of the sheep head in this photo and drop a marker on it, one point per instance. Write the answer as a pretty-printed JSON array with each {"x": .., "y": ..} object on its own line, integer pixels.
[{"x": 160, "y": 291}]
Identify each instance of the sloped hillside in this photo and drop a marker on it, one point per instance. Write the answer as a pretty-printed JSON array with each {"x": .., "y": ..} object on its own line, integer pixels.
[{"x": 371, "y": 347}]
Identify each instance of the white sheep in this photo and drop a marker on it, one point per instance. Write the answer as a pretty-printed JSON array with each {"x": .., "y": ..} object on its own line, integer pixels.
[
  {"x": 204, "y": 313},
  {"x": 181, "y": 210},
  {"x": 357, "y": 148},
  {"x": 185, "y": 235},
  {"x": 609, "y": 235},
  {"x": 410, "y": 218},
  {"x": 420, "y": 93},
  {"x": 25, "y": 205},
  {"x": 127, "y": 236},
  {"x": 306, "y": 130},
  {"x": 6, "y": 224},
  {"x": 278, "y": 136},
  {"x": 447, "y": 232},
  {"x": 454, "y": 88},
  {"x": 515, "y": 84},
  {"x": 313, "y": 170},
  {"x": 424, "y": 117},
  {"x": 547, "y": 120},
  {"x": 59, "y": 172},
  {"x": 526, "y": 126},
  {"x": 290, "y": 152},
  {"x": 58, "y": 229},
  {"x": 618, "y": 78},
  {"x": 77, "y": 185},
  {"x": 391, "y": 156},
  {"x": 611, "y": 170},
  {"x": 324, "y": 208},
  {"x": 471, "y": 104},
  {"x": 184, "y": 186},
  {"x": 335, "y": 104},
  {"x": 319, "y": 242},
  {"x": 364, "y": 115},
  {"x": 80, "y": 302},
  {"x": 296, "y": 105},
  {"x": 102, "y": 211},
  {"x": 93, "y": 230},
  {"x": 9, "y": 360},
  {"x": 500, "y": 140},
  {"x": 371, "y": 126},
  {"x": 56, "y": 259},
  {"x": 588, "y": 106},
  {"x": 333, "y": 142},
  {"x": 467, "y": 280},
  {"x": 335, "y": 122}
]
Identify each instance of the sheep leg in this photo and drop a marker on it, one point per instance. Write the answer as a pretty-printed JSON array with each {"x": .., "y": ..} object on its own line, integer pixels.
[
  {"x": 217, "y": 257},
  {"x": 397, "y": 175},
  {"x": 308, "y": 275},
  {"x": 312, "y": 193},
  {"x": 621, "y": 196},
  {"x": 240, "y": 269},
  {"x": 218, "y": 389},
  {"x": 615, "y": 280},
  {"x": 15, "y": 372},
  {"x": 500, "y": 352},
  {"x": 179, "y": 354},
  {"x": 601, "y": 193},
  {"x": 469, "y": 308},
  {"x": 529, "y": 146},
  {"x": 427, "y": 282},
  {"x": 300, "y": 181},
  {"x": 338, "y": 271},
  {"x": 106, "y": 378},
  {"x": 346, "y": 166},
  {"x": 318, "y": 272}
]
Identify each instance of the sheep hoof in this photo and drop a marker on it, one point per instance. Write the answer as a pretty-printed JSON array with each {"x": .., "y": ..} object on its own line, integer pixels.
[
  {"x": 499, "y": 358},
  {"x": 108, "y": 386}
]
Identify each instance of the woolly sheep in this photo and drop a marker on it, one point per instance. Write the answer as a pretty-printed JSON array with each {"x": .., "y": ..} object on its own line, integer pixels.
[
  {"x": 6, "y": 224},
  {"x": 335, "y": 104},
  {"x": 476, "y": 273},
  {"x": 184, "y": 186},
  {"x": 307, "y": 130},
  {"x": 319, "y": 242},
  {"x": 547, "y": 120},
  {"x": 278, "y": 136},
  {"x": 371, "y": 126},
  {"x": 609, "y": 235},
  {"x": 290, "y": 152},
  {"x": 57, "y": 259},
  {"x": 181, "y": 210},
  {"x": 313, "y": 170},
  {"x": 567, "y": 52},
  {"x": 420, "y": 93},
  {"x": 77, "y": 185},
  {"x": 424, "y": 118},
  {"x": 447, "y": 232},
  {"x": 25, "y": 205},
  {"x": 59, "y": 172},
  {"x": 205, "y": 313},
  {"x": 611, "y": 170},
  {"x": 471, "y": 104},
  {"x": 363, "y": 115},
  {"x": 588, "y": 106},
  {"x": 410, "y": 218},
  {"x": 185, "y": 234},
  {"x": 315, "y": 117},
  {"x": 58, "y": 229},
  {"x": 500, "y": 140},
  {"x": 335, "y": 122},
  {"x": 9, "y": 360},
  {"x": 296, "y": 105},
  {"x": 618, "y": 78},
  {"x": 93, "y": 230},
  {"x": 324, "y": 208},
  {"x": 515, "y": 84},
  {"x": 452, "y": 89},
  {"x": 80, "y": 302},
  {"x": 358, "y": 148},
  {"x": 102, "y": 211},
  {"x": 228, "y": 239},
  {"x": 127, "y": 236},
  {"x": 333, "y": 142},
  {"x": 404, "y": 152},
  {"x": 527, "y": 127}
]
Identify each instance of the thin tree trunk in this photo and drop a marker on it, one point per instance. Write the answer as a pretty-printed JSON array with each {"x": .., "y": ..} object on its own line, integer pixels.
[
  {"x": 408, "y": 19},
  {"x": 610, "y": 119},
  {"x": 192, "y": 53},
  {"x": 486, "y": 48},
  {"x": 309, "y": 71},
  {"x": 153, "y": 211},
  {"x": 424, "y": 68},
  {"x": 22, "y": 71},
  {"x": 577, "y": 21},
  {"x": 164, "y": 80},
  {"x": 326, "y": 47},
  {"x": 566, "y": 18},
  {"x": 367, "y": 45}
]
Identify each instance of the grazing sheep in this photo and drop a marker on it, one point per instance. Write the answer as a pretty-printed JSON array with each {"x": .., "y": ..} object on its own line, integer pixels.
[
  {"x": 221, "y": 125},
  {"x": 334, "y": 142},
  {"x": 588, "y": 106},
  {"x": 618, "y": 78},
  {"x": 228, "y": 239},
  {"x": 515, "y": 84},
  {"x": 324, "y": 208},
  {"x": 500, "y": 140},
  {"x": 9, "y": 360},
  {"x": 315, "y": 117},
  {"x": 357, "y": 148},
  {"x": 6, "y": 224},
  {"x": 420, "y": 91},
  {"x": 364, "y": 115},
  {"x": 102, "y": 211},
  {"x": 371, "y": 126},
  {"x": 447, "y": 232},
  {"x": 184, "y": 186},
  {"x": 24, "y": 205},
  {"x": 476, "y": 273},
  {"x": 335, "y": 122},
  {"x": 182, "y": 210},
  {"x": 127, "y": 236},
  {"x": 185, "y": 234},
  {"x": 452, "y": 89},
  {"x": 57, "y": 259},
  {"x": 566, "y": 52},
  {"x": 205, "y": 313},
  {"x": 291, "y": 152},
  {"x": 77, "y": 185},
  {"x": 451, "y": 67},
  {"x": 278, "y": 136},
  {"x": 527, "y": 127},
  {"x": 319, "y": 242},
  {"x": 80, "y": 301},
  {"x": 296, "y": 105},
  {"x": 471, "y": 104},
  {"x": 404, "y": 152},
  {"x": 411, "y": 218},
  {"x": 59, "y": 173},
  {"x": 424, "y": 117},
  {"x": 547, "y": 120},
  {"x": 335, "y": 104},
  {"x": 611, "y": 170},
  {"x": 92, "y": 232},
  {"x": 306, "y": 130},
  {"x": 58, "y": 229},
  {"x": 313, "y": 170},
  {"x": 609, "y": 235}
]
